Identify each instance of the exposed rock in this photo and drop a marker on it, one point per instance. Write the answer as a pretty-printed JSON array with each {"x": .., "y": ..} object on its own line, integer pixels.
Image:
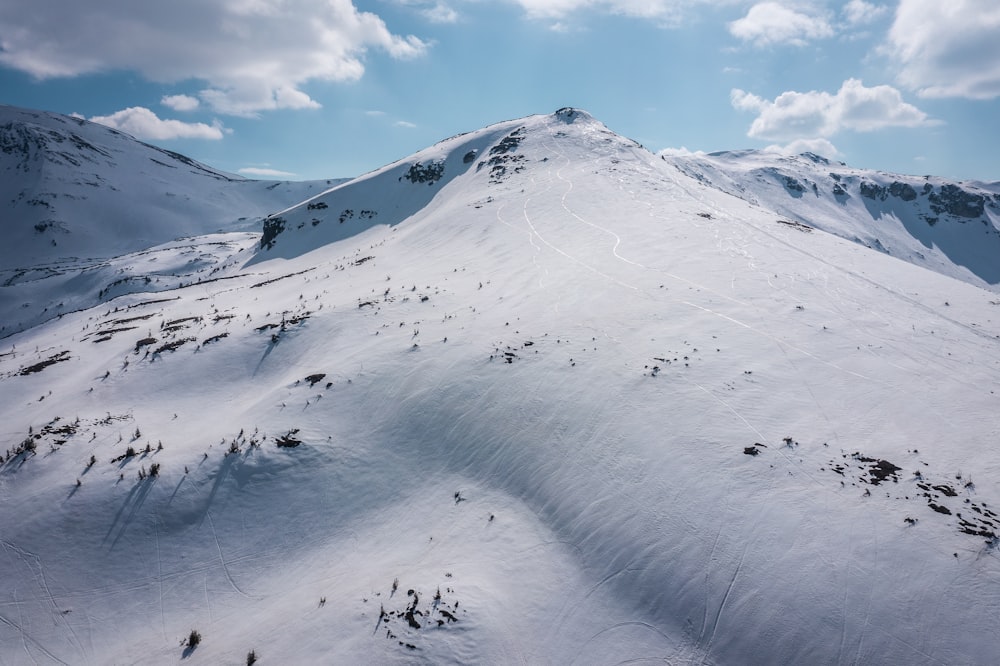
[{"x": 955, "y": 201}]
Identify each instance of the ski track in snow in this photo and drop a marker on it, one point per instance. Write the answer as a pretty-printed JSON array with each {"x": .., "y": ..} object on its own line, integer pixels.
[{"x": 38, "y": 573}]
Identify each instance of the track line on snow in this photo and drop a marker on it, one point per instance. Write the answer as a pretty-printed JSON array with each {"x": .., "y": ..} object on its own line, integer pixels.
[
  {"x": 618, "y": 625},
  {"x": 725, "y": 599},
  {"x": 159, "y": 578},
  {"x": 618, "y": 240},
  {"x": 222, "y": 559},
  {"x": 39, "y": 578},
  {"x": 527, "y": 218},
  {"x": 868, "y": 609},
  {"x": 26, "y": 637}
]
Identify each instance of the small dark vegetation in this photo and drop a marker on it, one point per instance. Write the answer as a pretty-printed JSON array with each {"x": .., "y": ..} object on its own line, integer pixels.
[
  {"x": 144, "y": 342},
  {"x": 280, "y": 277},
  {"x": 317, "y": 205},
  {"x": 178, "y": 324},
  {"x": 288, "y": 440},
  {"x": 407, "y": 616},
  {"x": 858, "y": 470},
  {"x": 41, "y": 365},
  {"x": 191, "y": 642},
  {"x": 215, "y": 338},
  {"x": 171, "y": 346},
  {"x": 796, "y": 225},
  {"x": 314, "y": 378},
  {"x": 129, "y": 453}
]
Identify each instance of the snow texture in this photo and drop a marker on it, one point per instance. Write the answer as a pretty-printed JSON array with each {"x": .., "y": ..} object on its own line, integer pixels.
[{"x": 533, "y": 395}]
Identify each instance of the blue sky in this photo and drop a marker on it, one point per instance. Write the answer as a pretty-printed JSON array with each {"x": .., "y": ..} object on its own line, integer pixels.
[{"x": 330, "y": 88}]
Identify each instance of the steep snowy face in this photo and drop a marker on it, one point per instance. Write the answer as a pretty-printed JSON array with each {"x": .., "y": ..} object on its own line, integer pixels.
[
  {"x": 73, "y": 189},
  {"x": 949, "y": 227},
  {"x": 472, "y": 165}
]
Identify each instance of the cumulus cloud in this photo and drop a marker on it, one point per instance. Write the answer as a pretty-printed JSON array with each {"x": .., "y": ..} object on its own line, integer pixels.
[
  {"x": 771, "y": 23},
  {"x": 180, "y": 102},
  {"x": 263, "y": 172},
  {"x": 947, "y": 49},
  {"x": 432, "y": 10},
  {"x": 142, "y": 123},
  {"x": 859, "y": 12},
  {"x": 795, "y": 115},
  {"x": 817, "y": 146},
  {"x": 662, "y": 10},
  {"x": 679, "y": 152},
  {"x": 253, "y": 56}
]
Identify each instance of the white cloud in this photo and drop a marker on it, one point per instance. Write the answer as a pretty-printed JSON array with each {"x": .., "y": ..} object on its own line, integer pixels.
[
  {"x": 662, "y": 10},
  {"x": 180, "y": 102},
  {"x": 794, "y": 115},
  {"x": 434, "y": 11},
  {"x": 253, "y": 56},
  {"x": 947, "y": 49},
  {"x": 817, "y": 146},
  {"x": 679, "y": 152},
  {"x": 859, "y": 12},
  {"x": 403, "y": 123},
  {"x": 770, "y": 23},
  {"x": 262, "y": 172},
  {"x": 144, "y": 124}
]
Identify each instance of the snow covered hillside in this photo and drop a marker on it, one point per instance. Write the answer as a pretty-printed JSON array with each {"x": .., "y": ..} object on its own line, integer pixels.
[
  {"x": 75, "y": 195},
  {"x": 949, "y": 227},
  {"x": 532, "y": 396}
]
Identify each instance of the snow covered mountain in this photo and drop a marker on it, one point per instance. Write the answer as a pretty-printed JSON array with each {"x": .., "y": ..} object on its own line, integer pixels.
[
  {"x": 533, "y": 395},
  {"x": 76, "y": 194},
  {"x": 949, "y": 227}
]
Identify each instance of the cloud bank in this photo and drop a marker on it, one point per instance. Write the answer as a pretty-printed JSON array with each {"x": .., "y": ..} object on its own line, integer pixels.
[
  {"x": 797, "y": 115},
  {"x": 144, "y": 124},
  {"x": 947, "y": 49},
  {"x": 771, "y": 23},
  {"x": 253, "y": 55}
]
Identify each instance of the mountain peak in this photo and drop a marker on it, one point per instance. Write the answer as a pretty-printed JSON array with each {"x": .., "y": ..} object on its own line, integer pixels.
[{"x": 569, "y": 115}]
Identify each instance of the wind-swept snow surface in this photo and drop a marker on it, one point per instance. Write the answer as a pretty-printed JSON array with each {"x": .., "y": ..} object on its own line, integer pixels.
[{"x": 564, "y": 404}]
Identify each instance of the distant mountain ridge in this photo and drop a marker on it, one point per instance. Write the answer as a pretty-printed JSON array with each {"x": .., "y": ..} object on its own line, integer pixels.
[
  {"x": 946, "y": 226},
  {"x": 73, "y": 189}
]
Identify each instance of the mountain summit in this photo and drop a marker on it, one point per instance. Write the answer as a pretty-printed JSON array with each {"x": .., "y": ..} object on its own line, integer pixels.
[{"x": 532, "y": 395}]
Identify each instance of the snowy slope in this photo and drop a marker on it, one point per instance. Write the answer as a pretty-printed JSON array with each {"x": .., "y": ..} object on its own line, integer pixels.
[
  {"x": 76, "y": 194},
  {"x": 949, "y": 227},
  {"x": 580, "y": 409}
]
